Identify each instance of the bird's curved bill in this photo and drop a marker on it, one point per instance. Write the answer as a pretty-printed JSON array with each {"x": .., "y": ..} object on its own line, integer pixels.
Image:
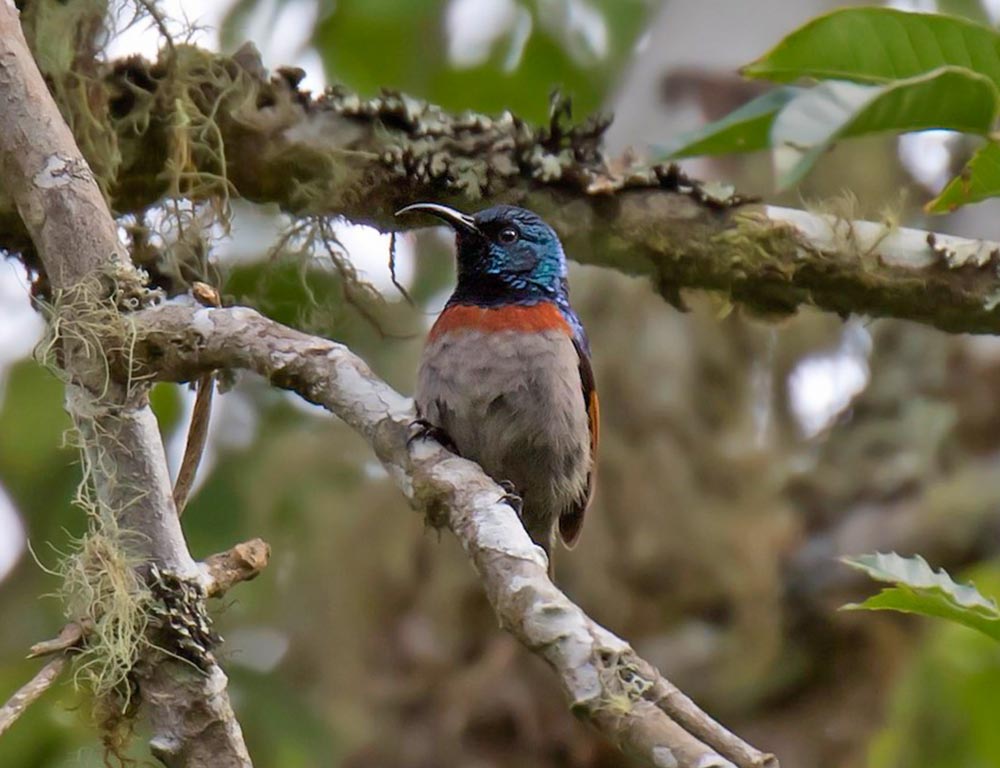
[{"x": 457, "y": 219}]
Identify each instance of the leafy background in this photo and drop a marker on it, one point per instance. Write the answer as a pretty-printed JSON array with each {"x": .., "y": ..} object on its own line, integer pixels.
[{"x": 740, "y": 457}]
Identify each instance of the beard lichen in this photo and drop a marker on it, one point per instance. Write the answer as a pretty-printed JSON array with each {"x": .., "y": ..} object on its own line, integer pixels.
[{"x": 103, "y": 589}]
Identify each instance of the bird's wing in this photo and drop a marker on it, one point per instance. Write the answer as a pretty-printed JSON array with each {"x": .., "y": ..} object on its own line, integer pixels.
[{"x": 571, "y": 521}]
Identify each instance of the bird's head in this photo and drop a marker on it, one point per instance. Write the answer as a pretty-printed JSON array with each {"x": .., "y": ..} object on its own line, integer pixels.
[{"x": 503, "y": 252}]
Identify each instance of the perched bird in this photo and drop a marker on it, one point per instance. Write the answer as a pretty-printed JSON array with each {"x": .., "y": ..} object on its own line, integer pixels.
[{"x": 506, "y": 377}]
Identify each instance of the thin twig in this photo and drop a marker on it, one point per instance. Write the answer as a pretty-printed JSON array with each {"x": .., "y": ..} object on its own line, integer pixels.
[
  {"x": 69, "y": 637},
  {"x": 392, "y": 269},
  {"x": 201, "y": 415},
  {"x": 31, "y": 691},
  {"x": 160, "y": 21},
  {"x": 682, "y": 710}
]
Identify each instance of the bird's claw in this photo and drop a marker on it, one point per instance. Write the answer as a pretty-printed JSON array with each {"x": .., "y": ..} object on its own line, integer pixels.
[
  {"x": 511, "y": 496},
  {"x": 421, "y": 429}
]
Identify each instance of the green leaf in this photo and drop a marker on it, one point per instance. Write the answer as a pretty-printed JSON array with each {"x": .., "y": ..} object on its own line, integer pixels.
[
  {"x": 922, "y": 590},
  {"x": 979, "y": 180},
  {"x": 879, "y": 45},
  {"x": 950, "y": 98},
  {"x": 745, "y": 130}
]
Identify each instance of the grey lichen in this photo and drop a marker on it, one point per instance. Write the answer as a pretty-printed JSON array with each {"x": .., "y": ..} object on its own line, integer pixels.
[{"x": 965, "y": 253}]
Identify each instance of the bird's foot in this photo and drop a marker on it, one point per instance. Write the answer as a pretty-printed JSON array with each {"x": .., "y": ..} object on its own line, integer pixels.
[
  {"x": 511, "y": 496},
  {"x": 421, "y": 429}
]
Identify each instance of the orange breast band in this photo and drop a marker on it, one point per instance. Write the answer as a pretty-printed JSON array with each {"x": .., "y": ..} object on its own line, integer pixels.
[{"x": 544, "y": 316}]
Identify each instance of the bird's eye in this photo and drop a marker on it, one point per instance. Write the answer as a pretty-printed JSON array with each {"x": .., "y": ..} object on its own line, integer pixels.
[{"x": 507, "y": 235}]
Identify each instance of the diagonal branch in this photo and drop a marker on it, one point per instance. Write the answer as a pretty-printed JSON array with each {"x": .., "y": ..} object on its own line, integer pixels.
[
  {"x": 63, "y": 210},
  {"x": 606, "y": 683}
]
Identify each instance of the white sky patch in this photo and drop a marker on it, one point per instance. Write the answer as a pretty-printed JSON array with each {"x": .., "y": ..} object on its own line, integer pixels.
[
  {"x": 366, "y": 247},
  {"x": 518, "y": 40},
  {"x": 474, "y": 27},
  {"x": 920, "y": 6},
  {"x": 252, "y": 226},
  {"x": 992, "y": 8},
  {"x": 281, "y": 33},
  {"x": 22, "y": 327},
  {"x": 578, "y": 23},
  {"x": 20, "y": 330},
  {"x": 368, "y": 250},
  {"x": 926, "y": 156},
  {"x": 588, "y": 22},
  {"x": 821, "y": 386},
  {"x": 260, "y": 26},
  {"x": 144, "y": 38},
  {"x": 435, "y": 304},
  {"x": 315, "y": 79},
  {"x": 12, "y": 535}
]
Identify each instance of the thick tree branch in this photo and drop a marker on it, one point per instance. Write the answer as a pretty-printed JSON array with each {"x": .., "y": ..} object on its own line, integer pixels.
[
  {"x": 363, "y": 159},
  {"x": 68, "y": 221},
  {"x": 605, "y": 682}
]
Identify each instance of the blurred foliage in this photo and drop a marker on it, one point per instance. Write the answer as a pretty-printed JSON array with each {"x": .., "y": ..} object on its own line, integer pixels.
[
  {"x": 920, "y": 589},
  {"x": 537, "y": 46}
]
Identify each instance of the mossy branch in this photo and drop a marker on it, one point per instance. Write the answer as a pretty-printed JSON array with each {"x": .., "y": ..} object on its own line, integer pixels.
[{"x": 201, "y": 127}]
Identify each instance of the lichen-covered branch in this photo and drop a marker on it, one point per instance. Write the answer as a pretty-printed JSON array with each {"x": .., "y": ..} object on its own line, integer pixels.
[
  {"x": 267, "y": 141},
  {"x": 126, "y": 485},
  {"x": 605, "y": 682}
]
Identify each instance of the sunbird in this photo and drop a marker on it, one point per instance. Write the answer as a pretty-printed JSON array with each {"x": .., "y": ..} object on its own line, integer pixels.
[{"x": 506, "y": 379}]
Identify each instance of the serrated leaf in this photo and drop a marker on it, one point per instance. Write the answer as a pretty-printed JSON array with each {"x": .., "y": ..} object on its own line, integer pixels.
[
  {"x": 950, "y": 98},
  {"x": 978, "y": 180},
  {"x": 879, "y": 45},
  {"x": 745, "y": 130},
  {"x": 920, "y": 589}
]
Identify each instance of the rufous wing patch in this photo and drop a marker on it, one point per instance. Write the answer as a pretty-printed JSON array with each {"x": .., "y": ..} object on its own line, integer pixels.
[{"x": 571, "y": 521}]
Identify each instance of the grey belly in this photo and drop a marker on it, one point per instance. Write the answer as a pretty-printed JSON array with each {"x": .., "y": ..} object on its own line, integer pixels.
[{"x": 513, "y": 402}]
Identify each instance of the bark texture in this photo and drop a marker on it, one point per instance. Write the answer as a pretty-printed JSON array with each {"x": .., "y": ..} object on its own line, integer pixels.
[{"x": 64, "y": 213}]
